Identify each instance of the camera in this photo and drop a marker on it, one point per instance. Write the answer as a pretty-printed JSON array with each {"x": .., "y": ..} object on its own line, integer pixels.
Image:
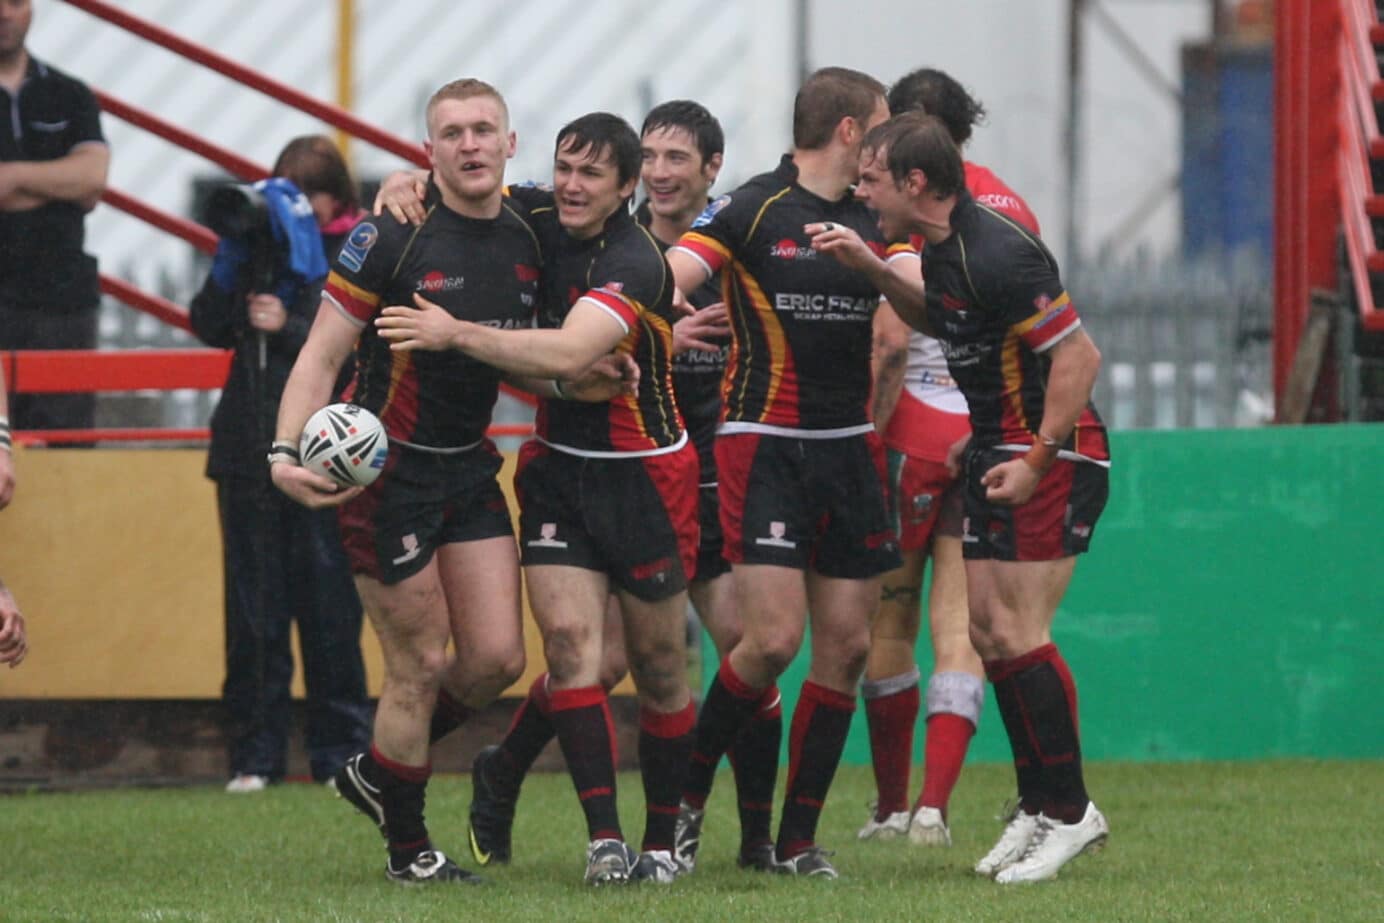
[{"x": 238, "y": 211}]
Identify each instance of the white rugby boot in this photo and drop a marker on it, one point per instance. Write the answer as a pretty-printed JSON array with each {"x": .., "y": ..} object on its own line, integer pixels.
[
  {"x": 1054, "y": 844},
  {"x": 893, "y": 826},
  {"x": 928, "y": 828},
  {"x": 1018, "y": 830}
]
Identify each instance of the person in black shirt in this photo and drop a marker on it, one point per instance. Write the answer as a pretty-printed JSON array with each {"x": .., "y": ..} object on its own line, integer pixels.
[
  {"x": 799, "y": 464},
  {"x": 682, "y": 147},
  {"x": 53, "y": 163},
  {"x": 607, "y": 491},
  {"x": 1035, "y": 472},
  {"x": 281, "y": 563},
  {"x": 430, "y": 541}
]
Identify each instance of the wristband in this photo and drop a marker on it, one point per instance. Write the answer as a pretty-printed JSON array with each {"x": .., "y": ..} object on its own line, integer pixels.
[
  {"x": 557, "y": 390},
  {"x": 1041, "y": 457},
  {"x": 283, "y": 453},
  {"x": 285, "y": 448},
  {"x": 6, "y": 443}
]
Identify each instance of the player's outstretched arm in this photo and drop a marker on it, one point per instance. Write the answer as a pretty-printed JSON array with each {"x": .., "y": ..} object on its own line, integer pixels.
[
  {"x": 899, "y": 279},
  {"x": 609, "y": 377},
  {"x": 308, "y": 390},
  {"x": 565, "y": 353}
]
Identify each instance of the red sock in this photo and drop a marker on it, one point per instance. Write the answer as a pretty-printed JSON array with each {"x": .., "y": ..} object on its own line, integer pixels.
[
  {"x": 948, "y": 736},
  {"x": 891, "y": 718}
]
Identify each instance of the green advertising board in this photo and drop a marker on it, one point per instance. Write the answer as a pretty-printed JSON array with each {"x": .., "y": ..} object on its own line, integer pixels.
[{"x": 1231, "y": 607}]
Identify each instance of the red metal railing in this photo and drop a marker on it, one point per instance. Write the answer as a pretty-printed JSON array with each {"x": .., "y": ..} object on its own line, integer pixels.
[
  {"x": 60, "y": 371},
  {"x": 55, "y": 371},
  {"x": 1360, "y": 140},
  {"x": 332, "y": 115}
]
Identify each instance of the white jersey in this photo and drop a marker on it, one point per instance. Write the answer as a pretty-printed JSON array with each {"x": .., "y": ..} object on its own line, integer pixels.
[{"x": 927, "y": 378}]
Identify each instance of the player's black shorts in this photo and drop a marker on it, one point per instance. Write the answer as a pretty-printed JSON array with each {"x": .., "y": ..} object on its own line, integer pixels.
[
  {"x": 806, "y": 503},
  {"x": 634, "y": 519},
  {"x": 1057, "y": 521},
  {"x": 421, "y": 501},
  {"x": 711, "y": 563}
]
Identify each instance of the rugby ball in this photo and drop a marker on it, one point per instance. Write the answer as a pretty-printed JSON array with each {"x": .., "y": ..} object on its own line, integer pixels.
[{"x": 346, "y": 443}]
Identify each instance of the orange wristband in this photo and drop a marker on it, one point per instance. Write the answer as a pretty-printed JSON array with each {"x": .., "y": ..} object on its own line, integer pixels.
[{"x": 1041, "y": 457}]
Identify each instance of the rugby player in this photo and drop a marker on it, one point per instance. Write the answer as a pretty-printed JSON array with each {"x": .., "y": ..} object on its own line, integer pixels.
[
  {"x": 1035, "y": 473},
  {"x": 800, "y": 467},
  {"x": 607, "y": 491}
]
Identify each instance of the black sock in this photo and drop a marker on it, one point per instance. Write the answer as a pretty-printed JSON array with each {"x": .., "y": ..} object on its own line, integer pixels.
[
  {"x": 755, "y": 759},
  {"x": 728, "y": 705},
  {"x": 528, "y": 734},
  {"x": 665, "y": 747},
  {"x": 402, "y": 793},
  {"x": 1050, "y": 705},
  {"x": 1026, "y": 769},
  {"x": 587, "y": 736},
  {"x": 448, "y": 715},
  {"x": 821, "y": 720}
]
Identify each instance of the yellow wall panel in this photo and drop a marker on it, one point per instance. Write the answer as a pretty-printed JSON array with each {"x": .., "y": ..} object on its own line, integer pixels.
[{"x": 115, "y": 558}]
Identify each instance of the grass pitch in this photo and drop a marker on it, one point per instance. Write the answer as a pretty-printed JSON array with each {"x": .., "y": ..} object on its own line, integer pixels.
[{"x": 1292, "y": 840}]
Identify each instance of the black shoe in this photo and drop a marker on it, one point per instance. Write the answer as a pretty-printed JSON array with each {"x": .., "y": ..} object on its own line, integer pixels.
[
  {"x": 810, "y": 863},
  {"x": 430, "y": 866},
  {"x": 491, "y": 814},
  {"x": 758, "y": 858},
  {"x": 351, "y": 785}
]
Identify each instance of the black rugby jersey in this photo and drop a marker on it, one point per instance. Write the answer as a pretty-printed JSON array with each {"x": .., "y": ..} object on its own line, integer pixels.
[
  {"x": 481, "y": 270},
  {"x": 800, "y": 357},
  {"x": 697, "y": 373},
  {"x": 623, "y": 271},
  {"x": 996, "y": 302}
]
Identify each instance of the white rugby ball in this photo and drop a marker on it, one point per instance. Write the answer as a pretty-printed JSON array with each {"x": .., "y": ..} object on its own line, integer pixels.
[{"x": 346, "y": 443}]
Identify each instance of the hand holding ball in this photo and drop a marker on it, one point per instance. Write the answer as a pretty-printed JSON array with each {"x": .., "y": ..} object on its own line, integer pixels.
[{"x": 346, "y": 443}]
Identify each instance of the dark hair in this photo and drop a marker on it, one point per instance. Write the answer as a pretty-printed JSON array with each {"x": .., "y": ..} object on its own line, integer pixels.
[
  {"x": 606, "y": 135},
  {"x": 314, "y": 164},
  {"x": 463, "y": 89},
  {"x": 937, "y": 93},
  {"x": 828, "y": 96},
  {"x": 918, "y": 141},
  {"x": 691, "y": 117}
]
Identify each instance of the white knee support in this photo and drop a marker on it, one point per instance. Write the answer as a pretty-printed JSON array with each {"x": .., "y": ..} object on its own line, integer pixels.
[
  {"x": 879, "y": 688},
  {"x": 956, "y": 693}
]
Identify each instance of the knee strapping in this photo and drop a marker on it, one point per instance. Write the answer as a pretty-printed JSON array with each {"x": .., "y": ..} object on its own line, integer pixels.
[
  {"x": 889, "y": 685},
  {"x": 956, "y": 693}
]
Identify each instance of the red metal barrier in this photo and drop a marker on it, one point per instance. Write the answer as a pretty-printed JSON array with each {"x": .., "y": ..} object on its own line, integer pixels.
[
  {"x": 58, "y": 371},
  {"x": 229, "y": 160},
  {"x": 54, "y": 371},
  {"x": 1307, "y": 139},
  {"x": 200, "y": 237},
  {"x": 332, "y": 115},
  {"x": 155, "y": 305}
]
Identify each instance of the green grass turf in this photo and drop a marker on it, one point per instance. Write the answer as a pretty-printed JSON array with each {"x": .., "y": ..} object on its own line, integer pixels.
[{"x": 1292, "y": 840}]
